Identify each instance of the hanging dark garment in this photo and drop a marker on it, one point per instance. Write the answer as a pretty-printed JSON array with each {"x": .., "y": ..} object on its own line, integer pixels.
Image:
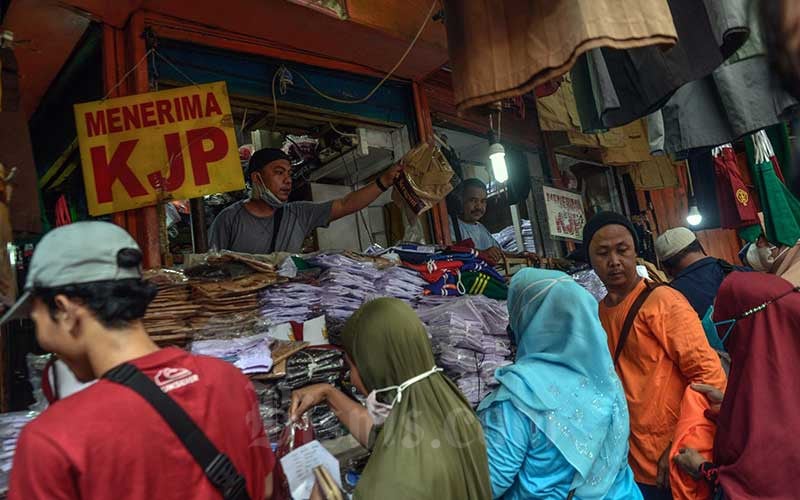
[
  {"x": 645, "y": 78},
  {"x": 738, "y": 98},
  {"x": 737, "y": 204}
]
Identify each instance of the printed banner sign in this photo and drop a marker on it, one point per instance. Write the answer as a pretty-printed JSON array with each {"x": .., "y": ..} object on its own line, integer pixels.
[
  {"x": 565, "y": 214},
  {"x": 173, "y": 144}
]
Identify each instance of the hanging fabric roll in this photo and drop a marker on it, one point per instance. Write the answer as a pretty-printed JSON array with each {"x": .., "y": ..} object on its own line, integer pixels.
[{"x": 504, "y": 48}]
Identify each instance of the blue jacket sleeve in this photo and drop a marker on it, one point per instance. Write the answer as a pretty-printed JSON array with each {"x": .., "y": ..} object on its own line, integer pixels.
[{"x": 508, "y": 435}]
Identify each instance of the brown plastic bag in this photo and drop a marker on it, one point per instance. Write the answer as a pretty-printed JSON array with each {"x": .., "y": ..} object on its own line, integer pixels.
[{"x": 424, "y": 182}]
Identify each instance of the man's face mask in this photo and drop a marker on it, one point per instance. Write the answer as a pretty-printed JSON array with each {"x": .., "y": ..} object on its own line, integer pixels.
[
  {"x": 761, "y": 258},
  {"x": 260, "y": 191}
]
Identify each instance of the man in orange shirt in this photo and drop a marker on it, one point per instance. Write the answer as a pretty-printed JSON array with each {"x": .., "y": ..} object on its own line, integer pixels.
[{"x": 658, "y": 351}]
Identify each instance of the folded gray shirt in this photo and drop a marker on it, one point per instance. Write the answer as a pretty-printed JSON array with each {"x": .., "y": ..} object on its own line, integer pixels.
[{"x": 238, "y": 230}]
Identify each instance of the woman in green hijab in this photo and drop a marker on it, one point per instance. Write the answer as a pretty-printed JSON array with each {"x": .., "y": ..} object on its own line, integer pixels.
[{"x": 430, "y": 445}]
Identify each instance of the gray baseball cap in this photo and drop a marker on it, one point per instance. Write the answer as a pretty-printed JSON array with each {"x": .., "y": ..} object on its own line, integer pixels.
[{"x": 83, "y": 252}]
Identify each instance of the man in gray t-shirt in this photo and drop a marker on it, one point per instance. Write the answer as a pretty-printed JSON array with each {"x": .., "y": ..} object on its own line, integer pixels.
[
  {"x": 249, "y": 226},
  {"x": 473, "y": 208}
]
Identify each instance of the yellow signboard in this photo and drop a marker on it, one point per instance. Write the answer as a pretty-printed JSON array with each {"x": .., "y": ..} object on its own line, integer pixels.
[{"x": 176, "y": 143}]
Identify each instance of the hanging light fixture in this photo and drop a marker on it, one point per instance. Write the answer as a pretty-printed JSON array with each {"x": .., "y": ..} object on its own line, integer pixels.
[
  {"x": 497, "y": 153},
  {"x": 694, "y": 218}
]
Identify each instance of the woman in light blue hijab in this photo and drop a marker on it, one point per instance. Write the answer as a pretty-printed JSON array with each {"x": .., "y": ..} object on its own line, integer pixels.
[{"x": 558, "y": 424}]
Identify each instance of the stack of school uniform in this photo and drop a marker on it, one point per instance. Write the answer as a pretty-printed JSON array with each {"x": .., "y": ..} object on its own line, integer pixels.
[
  {"x": 507, "y": 238},
  {"x": 345, "y": 283},
  {"x": 290, "y": 302},
  {"x": 469, "y": 340}
]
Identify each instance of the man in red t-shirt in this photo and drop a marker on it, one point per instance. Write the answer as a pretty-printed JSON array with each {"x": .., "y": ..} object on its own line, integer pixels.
[{"x": 86, "y": 295}]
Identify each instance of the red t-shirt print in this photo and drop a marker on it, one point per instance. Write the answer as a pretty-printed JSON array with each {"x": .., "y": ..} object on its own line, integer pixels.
[{"x": 107, "y": 442}]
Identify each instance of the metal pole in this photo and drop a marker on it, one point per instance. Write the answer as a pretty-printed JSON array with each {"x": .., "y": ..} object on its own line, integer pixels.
[
  {"x": 517, "y": 227},
  {"x": 199, "y": 233}
]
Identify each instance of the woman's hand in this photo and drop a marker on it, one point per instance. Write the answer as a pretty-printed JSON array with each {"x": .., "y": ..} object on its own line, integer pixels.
[
  {"x": 306, "y": 398},
  {"x": 690, "y": 461},
  {"x": 712, "y": 394},
  {"x": 662, "y": 474}
]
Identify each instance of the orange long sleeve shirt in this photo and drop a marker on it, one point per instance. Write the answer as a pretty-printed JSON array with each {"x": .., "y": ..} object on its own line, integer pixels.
[{"x": 665, "y": 352}]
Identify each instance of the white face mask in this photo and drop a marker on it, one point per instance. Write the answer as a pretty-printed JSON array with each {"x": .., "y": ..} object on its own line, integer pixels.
[
  {"x": 760, "y": 258},
  {"x": 260, "y": 191},
  {"x": 378, "y": 411}
]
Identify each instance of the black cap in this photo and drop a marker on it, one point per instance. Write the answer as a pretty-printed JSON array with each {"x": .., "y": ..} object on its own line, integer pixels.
[
  {"x": 263, "y": 157},
  {"x": 602, "y": 220}
]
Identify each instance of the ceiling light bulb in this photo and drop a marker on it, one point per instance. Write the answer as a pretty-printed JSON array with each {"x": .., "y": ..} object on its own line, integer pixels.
[
  {"x": 497, "y": 154},
  {"x": 695, "y": 217}
]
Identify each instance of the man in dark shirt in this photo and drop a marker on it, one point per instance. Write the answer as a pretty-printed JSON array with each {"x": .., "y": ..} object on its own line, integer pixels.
[
  {"x": 696, "y": 275},
  {"x": 267, "y": 222}
]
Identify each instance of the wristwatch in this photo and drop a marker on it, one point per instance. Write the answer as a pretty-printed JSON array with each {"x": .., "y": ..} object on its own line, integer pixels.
[{"x": 380, "y": 184}]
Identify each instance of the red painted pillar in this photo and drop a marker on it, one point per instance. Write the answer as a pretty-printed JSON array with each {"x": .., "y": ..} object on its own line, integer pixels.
[
  {"x": 122, "y": 49},
  {"x": 441, "y": 221}
]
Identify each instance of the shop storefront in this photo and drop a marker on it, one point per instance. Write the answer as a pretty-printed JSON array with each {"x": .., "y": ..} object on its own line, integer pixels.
[{"x": 348, "y": 91}]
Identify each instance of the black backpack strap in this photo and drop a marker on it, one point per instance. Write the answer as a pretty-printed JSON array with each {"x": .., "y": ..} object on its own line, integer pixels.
[
  {"x": 727, "y": 267},
  {"x": 629, "y": 319},
  {"x": 456, "y": 228},
  {"x": 217, "y": 467},
  {"x": 276, "y": 228}
]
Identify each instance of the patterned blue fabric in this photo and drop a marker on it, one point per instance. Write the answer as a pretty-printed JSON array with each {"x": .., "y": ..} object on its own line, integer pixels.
[
  {"x": 524, "y": 464},
  {"x": 563, "y": 379}
]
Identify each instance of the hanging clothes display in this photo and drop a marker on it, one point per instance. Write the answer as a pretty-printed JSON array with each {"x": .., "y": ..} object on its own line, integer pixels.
[
  {"x": 779, "y": 140},
  {"x": 587, "y": 81},
  {"x": 738, "y": 98},
  {"x": 504, "y": 48},
  {"x": 644, "y": 79},
  {"x": 656, "y": 173},
  {"x": 780, "y": 208},
  {"x": 655, "y": 133},
  {"x": 621, "y": 146},
  {"x": 737, "y": 205},
  {"x": 634, "y": 147},
  {"x": 558, "y": 111}
]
